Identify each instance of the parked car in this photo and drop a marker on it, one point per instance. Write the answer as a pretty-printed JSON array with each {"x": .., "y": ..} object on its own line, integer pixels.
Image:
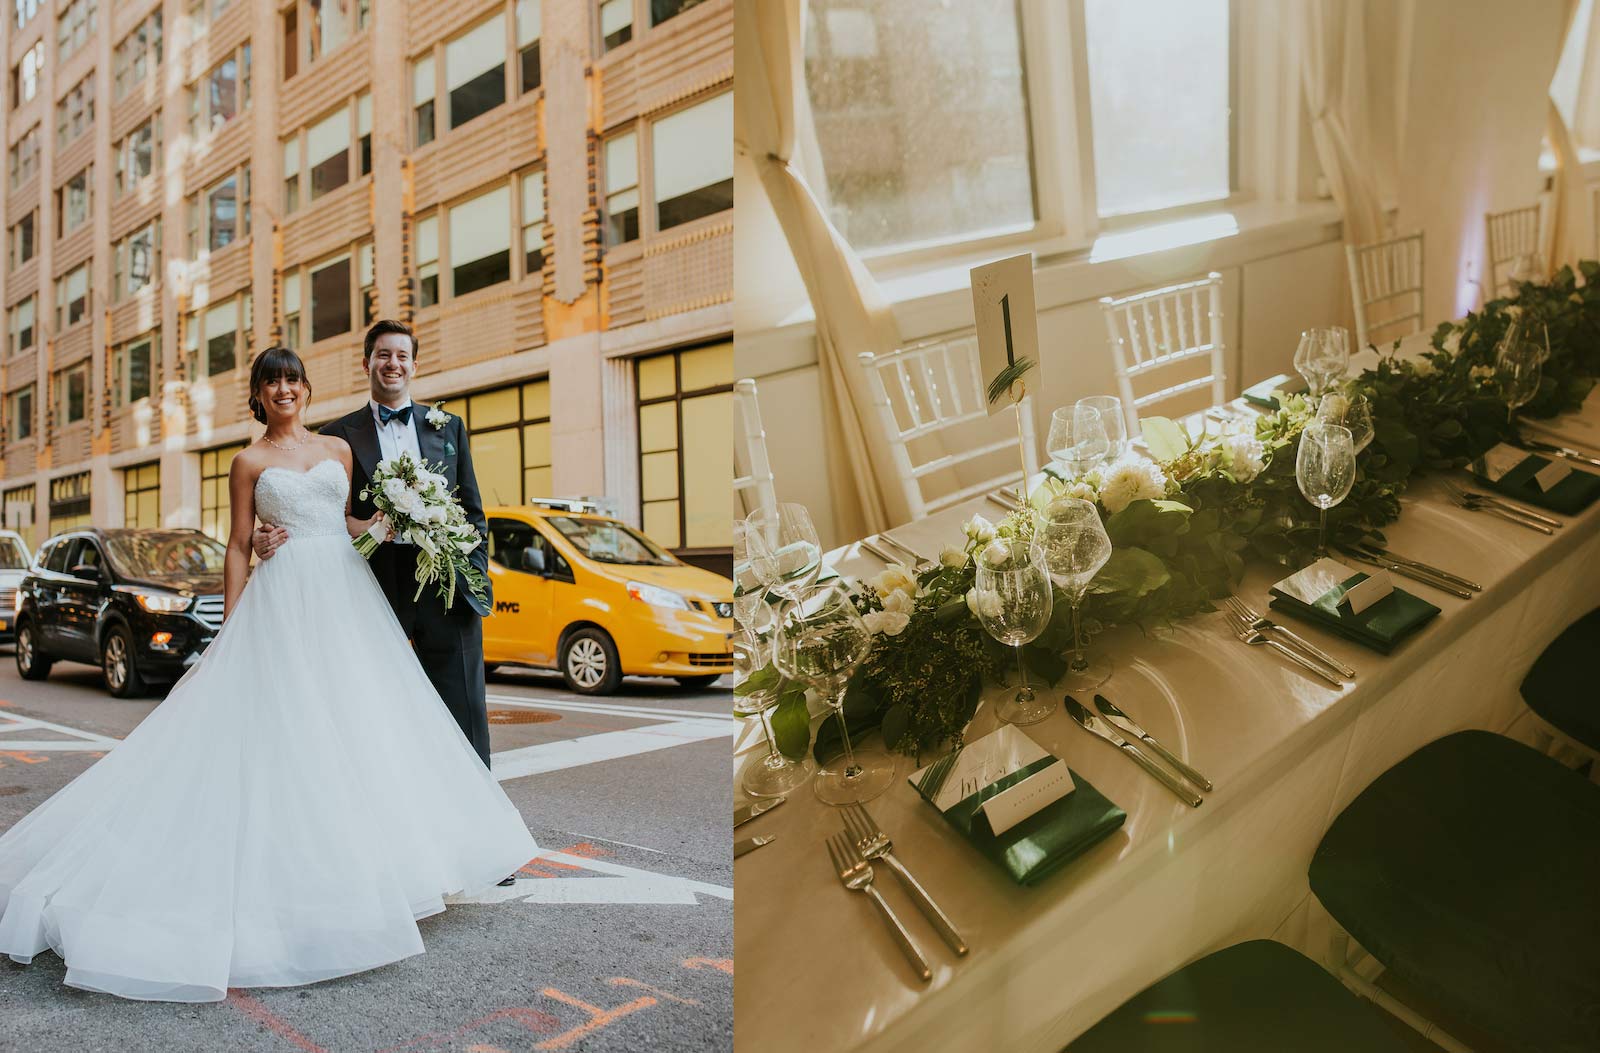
[
  {"x": 140, "y": 604},
  {"x": 592, "y": 597},
  {"x": 14, "y": 560}
]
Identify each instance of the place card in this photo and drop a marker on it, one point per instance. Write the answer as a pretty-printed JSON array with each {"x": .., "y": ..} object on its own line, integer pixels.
[
  {"x": 1316, "y": 581},
  {"x": 1007, "y": 324},
  {"x": 984, "y": 762},
  {"x": 1011, "y": 806},
  {"x": 1365, "y": 593},
  {"x": 1500, "y": 461},
  {"x": 1547, "y": 477}
]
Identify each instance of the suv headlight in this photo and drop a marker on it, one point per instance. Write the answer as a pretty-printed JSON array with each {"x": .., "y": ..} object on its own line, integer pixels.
[
  {"x": 162, "y": 602},
  {"x": 656, "y": 596}
]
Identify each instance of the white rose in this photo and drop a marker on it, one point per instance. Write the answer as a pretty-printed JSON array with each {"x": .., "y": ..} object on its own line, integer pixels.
[
  {"x": 898, "y": 602},
  {"x": 1481, "y": 372},
  {"x": 952, "y": 557},
  {"x": 895, "y": 578},
  {"x": 1423, "y": 367},
  {"x": 1129, "y": 481},
  {"x": 392, "y": 489},
  {"x": 438, "y": 417},
  {"x": 889, "y": 623},
  {"x": 979, "y": 529},
  {"x": 1245, "y": 456},
  {"x": 981, "y": 606}
]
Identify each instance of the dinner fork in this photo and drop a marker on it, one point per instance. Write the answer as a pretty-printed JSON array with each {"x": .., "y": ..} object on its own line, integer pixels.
[
  {"x": 856, "y": 875},
  {"x": 1255, "y": 637},
  {"x": 875, "y": 844},
  {"x": 1475, "y": 503},
  {"x": 1500, "y": 502},
  {"x": 1255, "y": 621}
]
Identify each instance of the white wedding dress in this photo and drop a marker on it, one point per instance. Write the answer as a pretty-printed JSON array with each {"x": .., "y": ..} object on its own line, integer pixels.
[{"x": 300, "y": 798}]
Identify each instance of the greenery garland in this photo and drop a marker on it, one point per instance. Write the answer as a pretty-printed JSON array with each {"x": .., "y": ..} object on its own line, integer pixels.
[{"x": 1183, "y": 526}]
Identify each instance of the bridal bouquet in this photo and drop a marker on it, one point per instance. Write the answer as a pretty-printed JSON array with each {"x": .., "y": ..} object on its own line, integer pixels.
[{"x": 419, "y": 509}]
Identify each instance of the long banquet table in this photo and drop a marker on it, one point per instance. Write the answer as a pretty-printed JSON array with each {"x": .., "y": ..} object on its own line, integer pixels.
[{"x": 818, "y": 970}]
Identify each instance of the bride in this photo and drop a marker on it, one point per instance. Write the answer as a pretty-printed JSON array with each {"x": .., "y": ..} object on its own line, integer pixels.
[{"x": 299, "y": 799}]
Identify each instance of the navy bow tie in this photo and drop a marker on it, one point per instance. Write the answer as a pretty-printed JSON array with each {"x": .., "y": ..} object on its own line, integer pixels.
[{"x": 385, "y": 414}]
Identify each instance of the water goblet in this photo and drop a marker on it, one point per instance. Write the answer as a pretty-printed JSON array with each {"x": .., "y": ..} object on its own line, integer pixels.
[
  {"x": 1077, "y": 439},
  {"x": 1353, "y": 411},
  {"x": 1113, "y": 420},
  {"x": 775, "y": 774},
  {"x": 1325, "y": 469},
  {"x": 1013, "y": 600},
  {"x": 1075, "y": 547},
  {"x": 1518, "y": 367},
  {"x": 1322, "y": 357},
  {"x": 791, "y": 555}
]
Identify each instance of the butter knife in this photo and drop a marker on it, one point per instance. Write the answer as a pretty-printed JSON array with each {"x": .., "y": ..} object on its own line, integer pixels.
[
  {"x": 877, "y": 553},
  {"x": 750, "y": 844},
  {"x": 1406, "y": 570},
  {"x": 1126, "y": 723},
  {"x": 1097, "y": 727},
  {"x": 746, "y": 812},
  {"x": 917, "y": 558},
  {"x": 1380, "y": 552},
  {"x": 1565, "y": 452}
]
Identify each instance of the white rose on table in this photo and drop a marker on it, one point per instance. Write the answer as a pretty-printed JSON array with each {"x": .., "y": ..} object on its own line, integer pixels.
[
  {"x": 895, "y": 578},
  {"x": 952, "y": 557},
  {"x": 979, "y": 529},
  {"x": 1246, "y": 456},
  {"x": 1131, "y": 481},
  {"x": 886, "y": 623},
  {"x": 982, "y": 606}
]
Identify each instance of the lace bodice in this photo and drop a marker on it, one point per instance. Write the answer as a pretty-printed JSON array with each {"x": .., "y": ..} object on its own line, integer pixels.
[{"x": 304, "y": 503}]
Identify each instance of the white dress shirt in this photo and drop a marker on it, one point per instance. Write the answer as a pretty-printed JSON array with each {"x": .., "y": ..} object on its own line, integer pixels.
[{"x": 396, "y": 437}]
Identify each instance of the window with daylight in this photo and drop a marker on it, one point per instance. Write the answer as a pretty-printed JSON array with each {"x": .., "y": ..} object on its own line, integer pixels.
[
  {"x": 220, "y": 95},
  {"x": 291, "y": 174},
  {"x": 215, "y": 508},
  {"x": 685, "y": 403},
  {"x": 661, "y": 10},
  {"x": 75, "y": 112},
  {"x": 364, "y": 133},
  {"x": 17, "y": 505},
  {"x": 24, "y": 239},
  {"x": 330, "y": 298},
  {"x": 622, "y": 188},
  {"x": 141, "y": 496},
  {"x": 72, "y": 391},
  {"x": 692, "y": 152},
  {"x": 138, "y": 260},
  {"x": 509, "y": 429},
  {"x": 70, "y": 500},
  {"x": 220, "y": 214},
  {"x": 533, "y": 223},
  {"x": 26, "y": 9},
  {"x": 528, "y": 45},
  {"x": 19, "y": 327},
  {"x": 19, "y": 414},
  {"x": 136, "y": 56},
  {"x": 137, "y": 154},
  {"x": 74, "y": 199},
  {"x": 25, "y": 75},
  {"x": 328, "y": 24},
  {"x": 616, "y": 23},
  {"x": 480, "y": 241},
  {"x": 25, "y": 157},
  {"x": 422, "y": 93},
  {"x": 328, "y": 152},
  {"x": 133, "y": 367},
  {"x": 291, "y": 310},
  {"x": 428, "y": 261},
  {"x": 74, "y": 27},
  {"x": 72, "y": 296},
  {"x": 219, "y": 327},
  {"x": 367, "y": 295},
  {"x": 475, "y": 70}
]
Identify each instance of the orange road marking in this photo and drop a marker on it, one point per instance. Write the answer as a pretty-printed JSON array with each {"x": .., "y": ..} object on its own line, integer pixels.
[
  {"x": 261, "y": 1014},
  {"x": 598, "y": 1018},
  {"x": 623, "y": 981},
  {"x": 585, "y": 848},
  {"x": 532, "y": 1019},
  {"x": 724, "y": 965},
  {"x": 24, "y": 756}
]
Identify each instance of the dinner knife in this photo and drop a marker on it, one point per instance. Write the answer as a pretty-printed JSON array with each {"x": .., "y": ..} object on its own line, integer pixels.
[
  {"x": 873, "y": 550},
  {"x": 1406, "y": 571},
  {"x": 1439, "y": 572},
  {"x": 746, "y": 812},
  {"x": 1560, "y": 451},
  {"x": 1097, "y": 727},
  {"x": 750, "y": 844},
  {"x": 916, "y": 557},
  {"x": 1126, "y": 723}
]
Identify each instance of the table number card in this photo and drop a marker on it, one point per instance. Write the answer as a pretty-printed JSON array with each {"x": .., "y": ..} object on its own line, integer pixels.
[
  {"x": 1007, "y": 323},
  {"x": 1328, "y": 575}
]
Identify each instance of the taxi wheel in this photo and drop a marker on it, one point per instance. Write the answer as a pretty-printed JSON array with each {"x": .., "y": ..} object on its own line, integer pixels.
[
  {"x": 118, "y": 666},
  {"x": 32, "y": 664},
  {"x": 589, "y": 663},
  {"x": 698, "y": 681}
]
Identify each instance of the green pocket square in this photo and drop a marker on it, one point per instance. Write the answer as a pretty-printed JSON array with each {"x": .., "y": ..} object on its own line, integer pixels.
[{"x": 1569, "y": 497}]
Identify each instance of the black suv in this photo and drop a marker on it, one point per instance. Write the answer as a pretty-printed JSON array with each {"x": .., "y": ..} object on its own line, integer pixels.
[{"x": 140, "y": 604}]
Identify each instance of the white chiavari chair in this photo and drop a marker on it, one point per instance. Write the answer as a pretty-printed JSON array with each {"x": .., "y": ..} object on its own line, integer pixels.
[
  {"x": 932, "y": 390},
  {"x": 1153, "y": 333},
  {"x": 1512, "y": 234},
  {"x": 753, "y": 483},
  {"x": 1386, "y": 276}
]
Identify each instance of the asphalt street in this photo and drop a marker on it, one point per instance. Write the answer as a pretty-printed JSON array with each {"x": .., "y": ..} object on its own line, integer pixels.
[{"x": 617, "y": 937}]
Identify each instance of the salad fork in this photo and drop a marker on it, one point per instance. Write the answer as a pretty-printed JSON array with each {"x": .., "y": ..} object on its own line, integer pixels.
[
  {"x": 855, "y": 874},
  {"x": 1255, "y": 637},
  {"x": 1477, "y": 503},
  {"x": 1251, "y": 618},
  {"x": 875, "y": 844}
]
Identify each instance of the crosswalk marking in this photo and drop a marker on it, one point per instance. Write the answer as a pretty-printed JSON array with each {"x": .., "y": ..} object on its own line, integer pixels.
[
  {"x": 624, "y": 884},
  {"x": 610, "y": 745},
  {"x": 620, "y": 709},
  {"x": 76, "y": 742}
]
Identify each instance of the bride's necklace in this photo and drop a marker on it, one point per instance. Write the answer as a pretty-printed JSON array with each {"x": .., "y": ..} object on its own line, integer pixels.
[{"x": 281, "y": 446}]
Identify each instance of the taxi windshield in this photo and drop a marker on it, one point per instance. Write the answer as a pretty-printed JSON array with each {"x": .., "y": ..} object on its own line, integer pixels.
[{"x": 606, "y": 541}]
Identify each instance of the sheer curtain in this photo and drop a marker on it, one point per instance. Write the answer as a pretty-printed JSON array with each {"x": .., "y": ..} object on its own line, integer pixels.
[
  {"x": 851, "y": 316},
  {"x": 1571, "y": 221}
]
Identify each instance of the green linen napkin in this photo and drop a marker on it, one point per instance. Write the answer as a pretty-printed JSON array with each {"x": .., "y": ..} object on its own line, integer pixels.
[
  {"x": 1570, "y": 496},
  {"x": 1264, "y": 394},
  {"x": 1381, "y": 626}
]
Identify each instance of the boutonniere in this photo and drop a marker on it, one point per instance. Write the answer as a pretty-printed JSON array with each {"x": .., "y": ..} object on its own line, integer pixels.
[{"x": 437, "y": 416}]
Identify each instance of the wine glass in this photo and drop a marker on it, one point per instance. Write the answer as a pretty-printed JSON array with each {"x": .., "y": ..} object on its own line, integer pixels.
[
  {"x": 1075, "y": 547},
  {"x": 1077, "y": 439},
  {"x": 1352, "y": 411},
  {"x": 1322, "y": 357},
  {"x": 1518, "y": 367},
  {"x": 820, "y": 641},
  {"x": 1013, "y": 601},
  {"x": 1325, "y": 468},
  {"x": 1113, "y": 420},
  {"x": 791, "y": 555},
  {"x": 751, "y": 568},
  {"x": 773, "y": 775},
  {"x": 1526, "y": 267}
]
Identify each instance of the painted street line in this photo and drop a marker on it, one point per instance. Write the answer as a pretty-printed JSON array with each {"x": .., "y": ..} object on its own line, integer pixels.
[
  {"x": 610, "y": 745},
  {"x": 77, "y": 742},
  {"x": 620, "y": 709},
  {"x": 624, "y": 885}
]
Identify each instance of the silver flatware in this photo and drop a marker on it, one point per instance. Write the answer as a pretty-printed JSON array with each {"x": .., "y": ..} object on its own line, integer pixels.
[
  {"x": 875, "y": 845},
  {"x": 1126, "y": 723},
  {"x": 746, "y": 812},
  {"x": 1471, "y": 505},
  {"x": 750, "y": 844},
  {"x": 1257, "y": 638},
  {"x": 1003, "y": 499},
  {"x": 917, "y": 558},
  {"x": 1438, "y": 572},
  {"x": 855, "y": 873},
  {"x": 1406, "y": 571},
  {"x": 1500, "y": 502},
  {"x": 1564, "y": 452},
  {"x": 1100, "y": 729},
  {"x": 878, "y": 553},
  {"x": 1254, "y": 620}
]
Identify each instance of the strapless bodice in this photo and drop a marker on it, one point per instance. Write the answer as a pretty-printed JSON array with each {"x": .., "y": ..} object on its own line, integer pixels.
[{"x": 304, "y": 503}]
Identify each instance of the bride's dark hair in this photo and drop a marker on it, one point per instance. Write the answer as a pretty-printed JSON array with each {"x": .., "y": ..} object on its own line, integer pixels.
[{"x": 272, "y": 364}]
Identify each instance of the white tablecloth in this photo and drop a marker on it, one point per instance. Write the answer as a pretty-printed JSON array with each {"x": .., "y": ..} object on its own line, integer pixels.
[{"x": 818, "y": 971}]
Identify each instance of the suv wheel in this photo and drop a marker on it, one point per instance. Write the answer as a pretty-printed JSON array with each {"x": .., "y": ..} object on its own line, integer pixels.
[
  {"x": 589, "y": 663},
  {"x": 118, "y": 665},
  {"x": 31, "y": 663}
]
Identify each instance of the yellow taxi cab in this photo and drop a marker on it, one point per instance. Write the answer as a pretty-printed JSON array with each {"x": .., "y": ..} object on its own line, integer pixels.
[{"x": 592, "y": 597}]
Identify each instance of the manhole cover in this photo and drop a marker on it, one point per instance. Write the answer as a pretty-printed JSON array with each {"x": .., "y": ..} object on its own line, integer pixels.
[
  {"x": 12, "y": 791},
  {"x": 521, "y": 716}
]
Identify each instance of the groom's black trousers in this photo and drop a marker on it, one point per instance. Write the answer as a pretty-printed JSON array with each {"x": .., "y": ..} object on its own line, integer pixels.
[{"x": 449, "y": 644}]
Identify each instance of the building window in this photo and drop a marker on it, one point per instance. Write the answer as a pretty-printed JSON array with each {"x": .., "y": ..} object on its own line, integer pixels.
[
  {"x": 368, "y": 294},
  {"x": 72, "y": 296},
  {"x": 72, "y": 393},
  {"x": 510, "y": 433},
  {"x": 330, "y": 299},
  {"x": 364, "y": 133},
  {"x": 220, "y": 214},
  {"x": 16, "y": 511},
  {"x": 533, "y": 223},
  {"x": 24, "y": 239},
  {"x": 132, "y": 369},
  {"x": 480, "y": 242},
  {"x": 422, "y": 95},
  {"x": 329, "y": 158},
  {"x": 327, "y": 25},
  {"x": 622, "y": 188},
  {"x": 692, "y": 155},
  {"x": 291, "y": 175},
  {"x": 19, "y": 327},
  {"x": 528, "y": 45},
  {"x": 138, "y": 260},
  {"x": 25, "y": 75},
  {"x": 74, "y": 27},
  {"x": 75, "y": 112},
  {"x": 26, "y": 9},
  {"x": 475, "y": 70},
  {"x": 141, "y": 496},
  {"x": 616, "y": 23},
  {"x": 136, "y": 56},
  {"x": 222, "y": 329},
  {"x": 19, "y": 414},
  {"x": 137, "y": 154},
  {"x": 74, "y": 198},
  {"x": 220, "y": 95},
  {"x": 70, "y": 505},
  {"x": 291, "y": 310},
  {"x": 428, "y": 261},
  {"x": 214, "y": 503},
  {"x": 25, "y": 157},
  {"x": 685, "y": 463},
  {"x": 661, "y": 10}
]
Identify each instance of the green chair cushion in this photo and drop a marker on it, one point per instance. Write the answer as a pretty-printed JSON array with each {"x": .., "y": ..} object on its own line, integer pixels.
[
  {"x": 1471, "y": 870},
  {"x": 1561, "y": 685},
  {"x": 1257, "y": 997}
]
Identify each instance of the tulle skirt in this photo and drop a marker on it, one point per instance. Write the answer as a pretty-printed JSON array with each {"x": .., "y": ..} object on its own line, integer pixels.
[{"x": 297, "y": 802}]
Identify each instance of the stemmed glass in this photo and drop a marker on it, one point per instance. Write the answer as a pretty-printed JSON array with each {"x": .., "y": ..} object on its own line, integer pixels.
[
  {"x": 820, "y": 641},
  {"x": 773, "y": 775},
  {"x": 1075, "y": 547},
  {"x": 1077, "y": 439},
  {"x": 1112, "y": 420},
  {"x": 750, "y": 571},
  {"x": 1352, "y": 411},
  {"x": 790, "y": 556},
  {"x": 1013, "y": 600},
  {"x": 1322, "y": 357},
  {"x": 1518, "y": 364},
  {"x": 1325, "y": 468}
]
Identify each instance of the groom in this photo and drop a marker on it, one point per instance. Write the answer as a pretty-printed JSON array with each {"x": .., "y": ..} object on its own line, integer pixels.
[{"x": 448, "y": 643}]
